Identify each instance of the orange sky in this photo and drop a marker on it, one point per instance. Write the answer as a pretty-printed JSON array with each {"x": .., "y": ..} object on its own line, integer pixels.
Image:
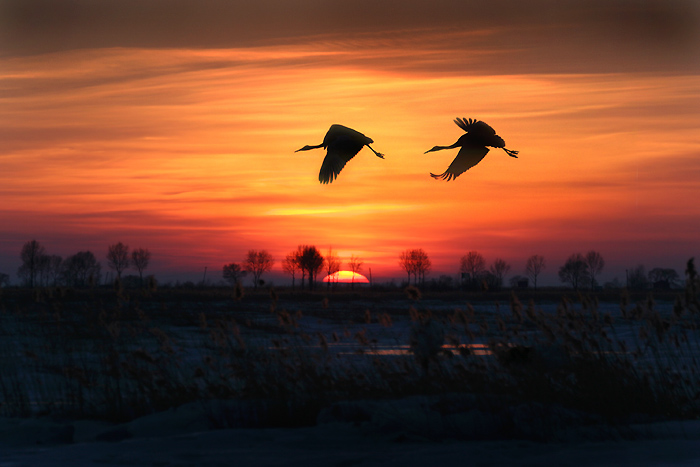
[{"x": 189, "y": 151}]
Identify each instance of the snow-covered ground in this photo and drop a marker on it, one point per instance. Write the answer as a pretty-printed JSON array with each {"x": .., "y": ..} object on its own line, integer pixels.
[
  {"x": 178, "y": 438},
  {"x": 405, "y": 431}
]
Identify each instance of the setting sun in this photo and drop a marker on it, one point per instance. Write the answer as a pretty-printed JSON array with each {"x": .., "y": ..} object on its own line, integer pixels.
[{"x": 346, "y": 277}]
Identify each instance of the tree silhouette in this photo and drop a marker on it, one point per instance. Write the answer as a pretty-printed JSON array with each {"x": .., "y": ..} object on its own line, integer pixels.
[
  {"x": 257, "y": 262},
  {"x": 140, "y": 258},
  {"x": 574, "y": 271},
  {"x": 595, "y": 263},
  {"x": 534, "y": 266},
  {"x": 332, "y": 265},
  {"x": 422, "y": 264},
  {"x": 118, "y": 258},
  {"x": 637, "y": 278},
  {"x": 473, "y": 264},
  {"x": 43, "y": 270},
  {"x": 298, "y": 256},
  {"x": 406, "y": 262},
  {"x": 48, "y": 270},
  {"x": 499, "y": 269},
  {"x": 81, "y": 269},
  {"x": 311, "y": 261},
  {"x": 692, "y": 283},
  {"x": 355, "y": 265},
  {"x": 233, "y": 273},
  {"x": 415, "y": 262},
  {"x": 55, "y": 267},
  {"x": 668, "y": 275},
  {"x": 290, "y": 265},
  {"x": 31, "y": 255},
  {"x": 516, "y": 280}
]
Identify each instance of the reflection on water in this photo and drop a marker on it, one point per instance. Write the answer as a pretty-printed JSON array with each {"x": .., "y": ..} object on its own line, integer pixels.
[{"x": 398, "y": 350}]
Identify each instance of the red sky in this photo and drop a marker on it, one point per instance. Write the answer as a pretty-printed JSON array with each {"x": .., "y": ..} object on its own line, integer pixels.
[{"x": 172, "y": 126}]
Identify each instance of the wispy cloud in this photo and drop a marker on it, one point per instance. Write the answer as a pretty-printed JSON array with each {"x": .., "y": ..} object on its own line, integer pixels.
[{"x": 347, "y": 210}]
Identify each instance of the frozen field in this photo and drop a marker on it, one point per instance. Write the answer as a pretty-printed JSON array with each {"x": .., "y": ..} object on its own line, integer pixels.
[
  {"x": 170, "y": 440},
  {"x": 194, "y": 378}
]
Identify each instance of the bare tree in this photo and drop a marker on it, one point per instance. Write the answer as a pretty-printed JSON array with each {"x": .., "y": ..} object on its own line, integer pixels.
[
  {"x": 314, "y": 261},
  {"x": 516, "y": 280},
  {"x": 534, "y": 266},
  {"x": 140, "y": 258},
  {"x": 692, "y": 283},
  {"x": 311, "y": 261},
  {"x": 81, "y": 269},
  {"x": 595, "y": 263},
  {"x": 48, "y": 270},
  {"x": 574, "y": 271},
  {"x": 43, "y": 270},
  {"x": 667, "y": 275},
  {"x": 233, "y": 273},
  {"x": 637, "y": 278},
  {"x": 257, "y": 263},
  {"x": 355, "y": 265},
  {"x": 473, "y": 264},
  {"x": 499, "y": 269},
  {"x": 118, "y": 258},
  {"x": 421, "y": 264},
  {"x": 332, "y": 264},
  {"x": 54, "y": 269},
  {"x": 31, "y": 255},
  {"x": 298, "y": 256},
  {"x": 415, "y": 262},
  {"x": 406, "y": 263},
  {"x": 290, "y": 265}
]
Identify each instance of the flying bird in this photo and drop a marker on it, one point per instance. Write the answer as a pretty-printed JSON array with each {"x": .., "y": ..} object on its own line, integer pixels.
[
  {"x": 473, "y": 145},
  {"x": 342, "y": 144}
]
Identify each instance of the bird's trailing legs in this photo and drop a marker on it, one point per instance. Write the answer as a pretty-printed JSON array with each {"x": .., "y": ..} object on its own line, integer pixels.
[
  {"x": 511, "y": 153},
  {"x": 378, "y": 154}
]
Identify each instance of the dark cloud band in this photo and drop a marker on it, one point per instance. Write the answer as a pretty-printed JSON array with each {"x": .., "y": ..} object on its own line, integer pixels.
[{"x": 545, "y": 35}]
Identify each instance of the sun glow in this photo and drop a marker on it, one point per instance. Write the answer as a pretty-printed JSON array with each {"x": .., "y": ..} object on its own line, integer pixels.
[
  {"x": 346, "y": 277},
  {"x": 191, "y": 153}
]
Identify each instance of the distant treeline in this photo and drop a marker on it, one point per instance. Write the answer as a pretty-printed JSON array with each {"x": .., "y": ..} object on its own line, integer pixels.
[
  {"x": 40, "y": 269},
  {"x": 580, "y": 271}
]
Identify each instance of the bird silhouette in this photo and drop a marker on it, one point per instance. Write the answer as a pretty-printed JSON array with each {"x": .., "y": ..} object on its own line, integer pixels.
[
  {"x": 473, "y": 147},
  {"x": 342, "y": 144}
]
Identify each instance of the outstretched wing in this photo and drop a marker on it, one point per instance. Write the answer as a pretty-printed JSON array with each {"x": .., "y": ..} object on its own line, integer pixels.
[
  {"x": 464, "y": 123},
  {"x": 468, "y": 157},
  {"x": 340, "y": 151},
  {"x": 476, "y": 127}
]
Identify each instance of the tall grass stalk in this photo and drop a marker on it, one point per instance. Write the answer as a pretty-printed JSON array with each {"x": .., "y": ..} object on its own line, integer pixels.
[{"x": 115, "y": 355}]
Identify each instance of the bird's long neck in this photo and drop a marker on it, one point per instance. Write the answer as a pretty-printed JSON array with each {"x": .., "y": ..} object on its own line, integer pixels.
[
  {"x": 306, "y": 148},
  {"x": 440, "y": 148}
]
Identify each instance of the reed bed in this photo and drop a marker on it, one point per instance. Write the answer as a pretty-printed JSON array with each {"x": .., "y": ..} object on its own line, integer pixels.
[{"x": 117, "y": 355}]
